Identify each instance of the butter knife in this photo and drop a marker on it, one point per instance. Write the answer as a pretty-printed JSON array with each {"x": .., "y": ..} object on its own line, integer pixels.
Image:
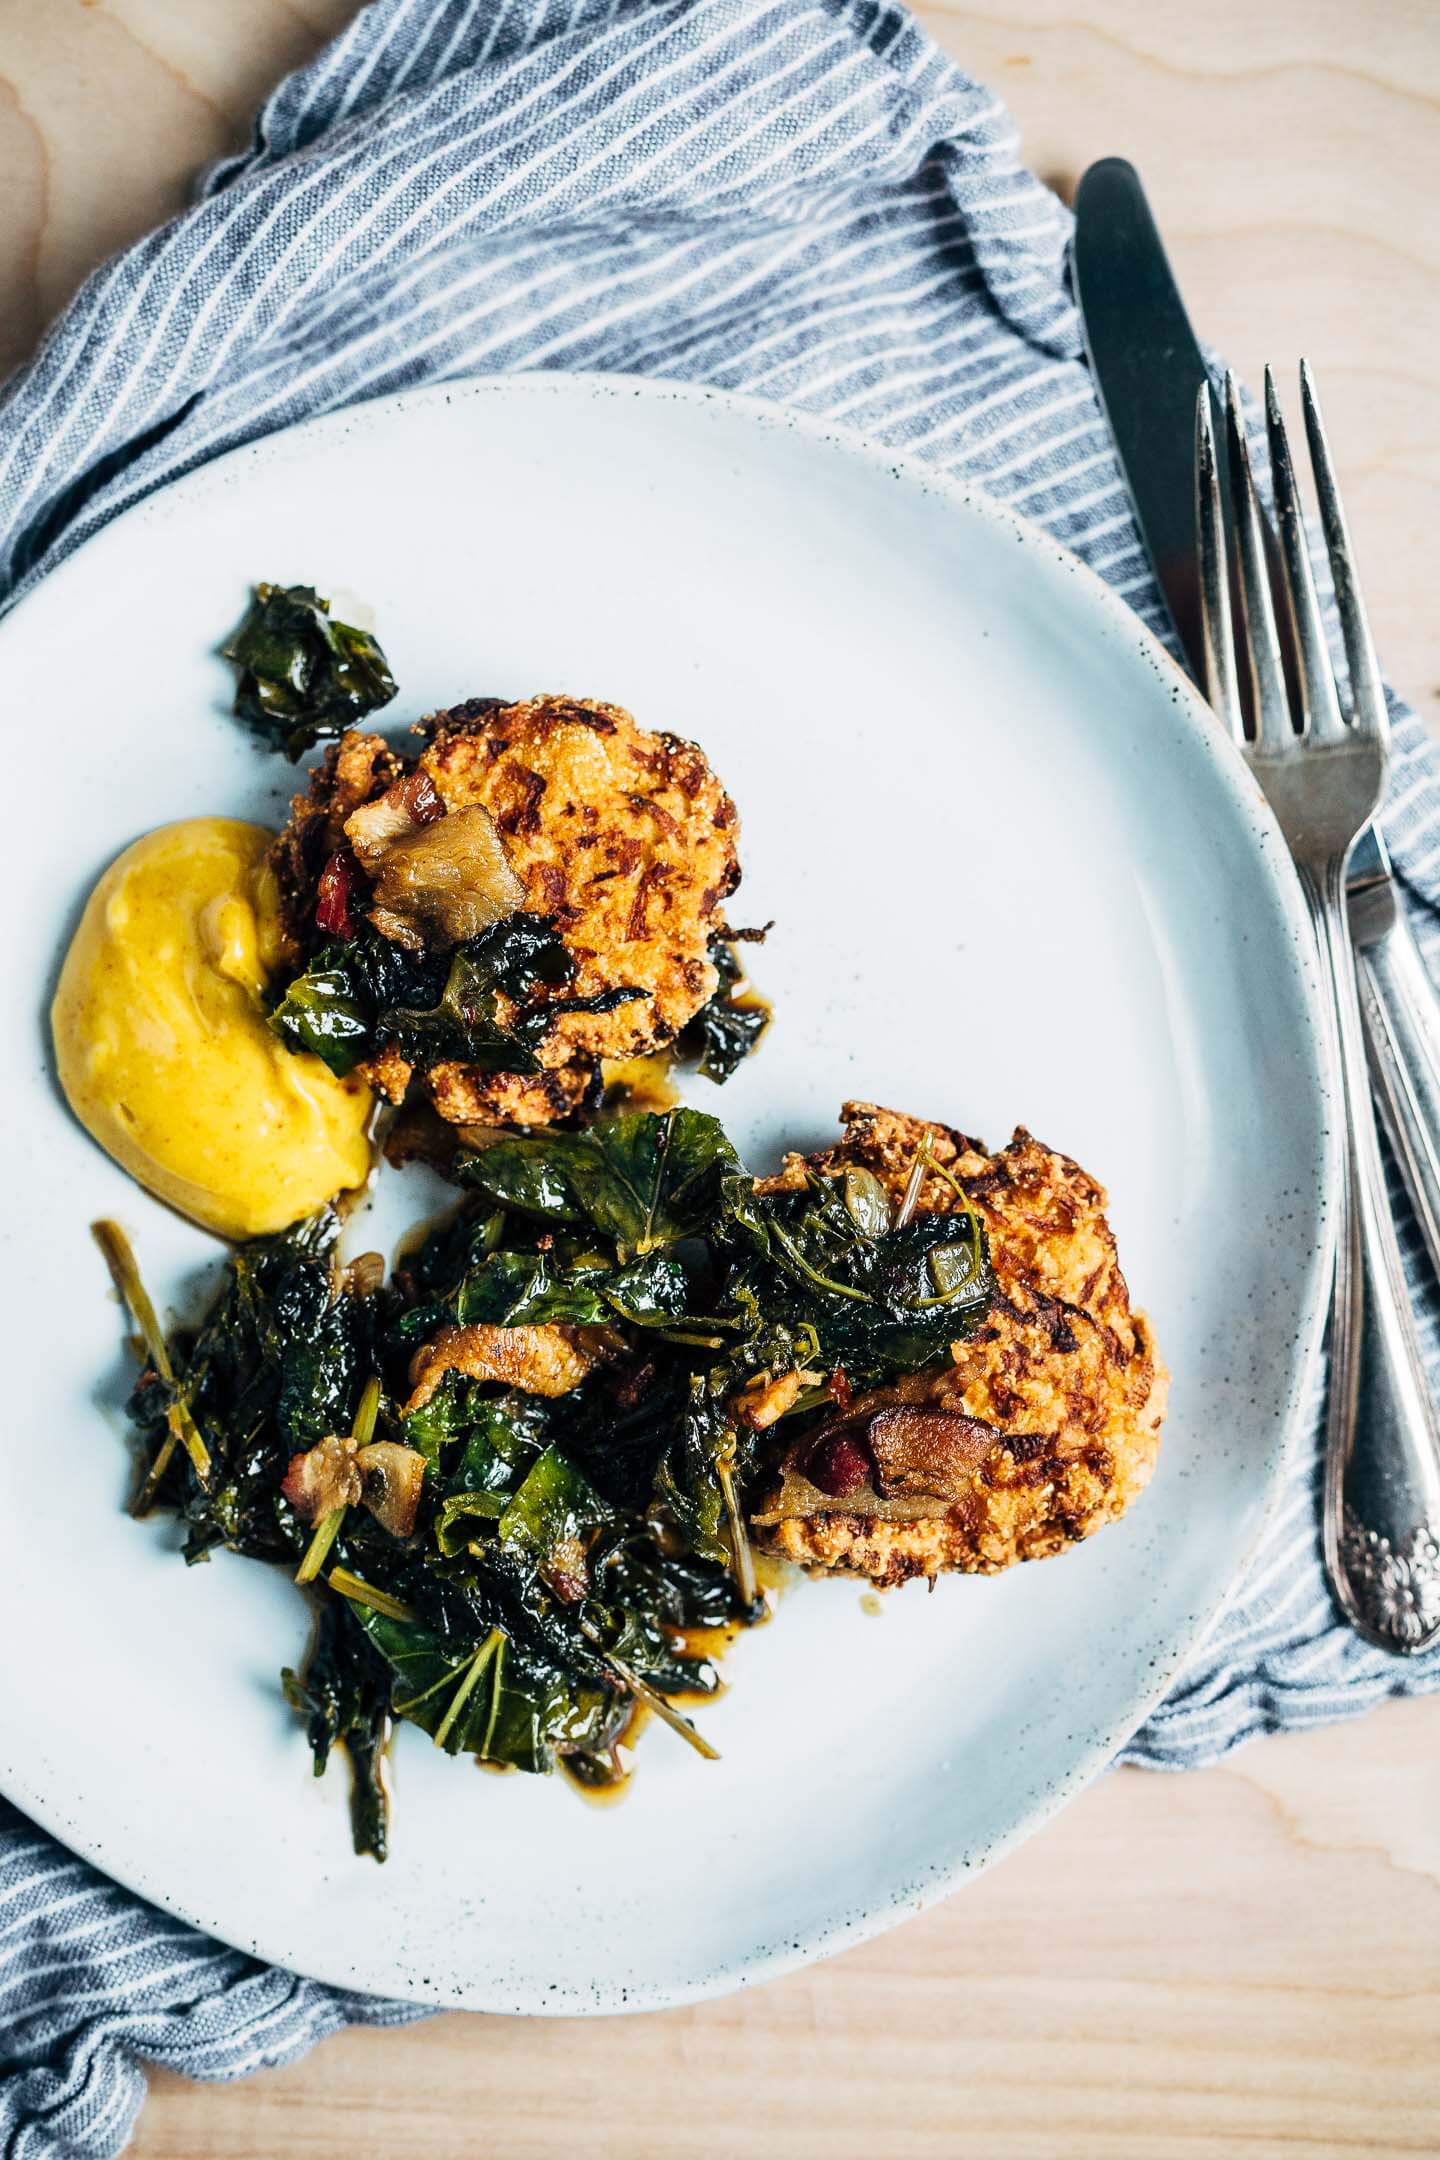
[{"x": 1148, "y": 368}]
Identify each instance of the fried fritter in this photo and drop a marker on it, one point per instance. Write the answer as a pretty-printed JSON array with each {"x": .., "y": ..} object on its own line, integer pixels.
[
  {"x": 1051, "y": 1410},
  {"x": 624, "y": 838},
  {"x": 627, "y": 840},
  {"x": 353, "y": 771}
]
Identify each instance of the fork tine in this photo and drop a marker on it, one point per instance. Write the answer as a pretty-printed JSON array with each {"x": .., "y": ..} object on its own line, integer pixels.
[
  {"x": 1321, "y": 707},
  {"x": 1367, "y": 698},
  {"x": 1273, "y": 727},
  {"x": 1222, "y": 684}
]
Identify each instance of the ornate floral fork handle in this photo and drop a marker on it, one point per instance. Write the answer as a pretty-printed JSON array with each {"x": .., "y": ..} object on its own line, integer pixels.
[{"x": 1324, "y": 780}]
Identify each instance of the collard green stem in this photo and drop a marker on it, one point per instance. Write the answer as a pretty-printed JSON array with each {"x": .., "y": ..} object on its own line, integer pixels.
[
  {"x": 317, "y": 1552},
  {"x": 487, "y": 1650},
  {"x": 183, "y": 1431},
  {"x": 360, "y": 1592},
  {"x": 742, "y": 1558}
]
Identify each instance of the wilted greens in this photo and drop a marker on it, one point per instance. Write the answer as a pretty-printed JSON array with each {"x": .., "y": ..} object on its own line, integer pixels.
[
  {"x": 380, "y": 953},
  {"x": 365, "y": 994},
  {"x": 726, "y": 1029},
  {"x": 513, "y": 1567},
  {"x": 304, "y": 677}
]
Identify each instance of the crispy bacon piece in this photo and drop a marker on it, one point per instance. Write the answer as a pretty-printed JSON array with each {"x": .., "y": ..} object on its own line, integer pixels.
[
  {"x": 567, "y": 1570},
  {"x": 333, "y": 895},
  {"x": 384, "y": 1477},
  {"x": 762, "y": 1402},
  {"x": 438, "y": 879},
  {"x": 324, "y": 1478},
  {"x": 406, "y": 807}
]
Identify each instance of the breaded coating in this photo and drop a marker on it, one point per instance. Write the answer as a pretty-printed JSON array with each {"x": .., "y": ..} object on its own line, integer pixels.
[
  {"x": 627, "y": 839},
  {"x": 1061, "y": 1384},
  {"x": 353, "y": 771},
  {"x": 623, "y": 837}
]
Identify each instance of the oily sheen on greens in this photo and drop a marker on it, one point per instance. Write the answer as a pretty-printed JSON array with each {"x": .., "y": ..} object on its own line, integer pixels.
[
  {"x": 365, "y": 994},
  {"x": 563, "y": 1546},
  {"x": 304, "y": 675},
  {"x": 729, "y": 1025}
]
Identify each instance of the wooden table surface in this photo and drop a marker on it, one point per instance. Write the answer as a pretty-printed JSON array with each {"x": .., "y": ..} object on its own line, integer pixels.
[{"x": 1245, "y": 1961}]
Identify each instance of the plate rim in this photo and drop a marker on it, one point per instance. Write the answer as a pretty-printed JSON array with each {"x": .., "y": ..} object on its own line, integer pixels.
[{"x": 890, "y": 1907}]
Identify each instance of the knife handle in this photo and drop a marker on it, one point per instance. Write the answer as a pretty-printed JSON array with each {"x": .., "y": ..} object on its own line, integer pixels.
[{"x": 1401, "y": 1010}]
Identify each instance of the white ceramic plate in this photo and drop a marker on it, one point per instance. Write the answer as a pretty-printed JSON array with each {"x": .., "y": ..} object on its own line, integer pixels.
[{"x": 1016, "y": 874}]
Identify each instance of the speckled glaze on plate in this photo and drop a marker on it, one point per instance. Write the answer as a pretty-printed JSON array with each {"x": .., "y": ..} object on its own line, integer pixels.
[{"x": 1017, "y": 875}]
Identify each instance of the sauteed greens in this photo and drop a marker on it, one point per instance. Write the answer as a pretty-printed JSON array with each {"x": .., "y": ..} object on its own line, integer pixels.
[
  {"x": 368, "y": 994},
  {"x": 515, "y": 1476},
  {"x": 725, "y": 1031},
  {"x": 304, "y": 676}
]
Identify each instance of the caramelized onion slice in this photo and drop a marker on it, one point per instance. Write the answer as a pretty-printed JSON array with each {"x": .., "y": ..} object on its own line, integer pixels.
[
  {"x": 935, "y": 1452},
  {"x": 445, "y": 883},
  {"x": 406, "y": 807},
  {"x": 390, "y": 1480},
  {"x": 902, "y": 1464}
]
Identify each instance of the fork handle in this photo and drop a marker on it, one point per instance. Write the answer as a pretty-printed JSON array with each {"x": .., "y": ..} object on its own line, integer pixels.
[
  {"x": 1382, "y": 1442},
  {"x": 1402, "y": 1034}
]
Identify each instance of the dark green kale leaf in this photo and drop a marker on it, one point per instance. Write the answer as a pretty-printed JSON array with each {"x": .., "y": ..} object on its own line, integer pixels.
[
  {"x": 303, "y": 675},
  {"x": 438, "y": 1266},
  {"x": 278, "y": 1363},
  {"x": 728, "y": 1027},
  {"x": 462, "y": 1023},
  {"x": 879, "y": 1303},
  {"x": 465, "y": 1424},
  {"x": 324, "y": 1011},
  {"x": 631, "y": 1568},
  {"x": 549, "y": 1520},
  {"x": 498, "y": 1698},
  {"x": 688, "y": 1483},
  {"x": 641, "y": 1180},
  {"x": 519, "y": 1289},
  {"x": 619, "y": 1424},
  {"x": 643, "y": 1599},
  {"x": 504, "y": 1436},
  {"x": 345, "y": 1695},
  {"x": 368, "y": 994},
  {"x": 458, "y": 1278}
]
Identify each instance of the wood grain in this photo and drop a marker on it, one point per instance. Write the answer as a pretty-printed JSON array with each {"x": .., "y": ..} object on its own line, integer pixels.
[{"x": 1242, "y": 1962}]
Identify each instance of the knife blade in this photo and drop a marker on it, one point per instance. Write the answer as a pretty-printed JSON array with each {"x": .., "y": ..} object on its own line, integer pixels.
[{"x": 1148, "y": 369}]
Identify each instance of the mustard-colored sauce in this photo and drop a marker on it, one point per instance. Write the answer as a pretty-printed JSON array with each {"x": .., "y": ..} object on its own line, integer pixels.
[{"x": 163, "y": 1046}]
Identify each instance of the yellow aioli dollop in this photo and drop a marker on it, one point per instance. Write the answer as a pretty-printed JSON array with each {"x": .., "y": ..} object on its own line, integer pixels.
[{"x": 163, "y": 1047}]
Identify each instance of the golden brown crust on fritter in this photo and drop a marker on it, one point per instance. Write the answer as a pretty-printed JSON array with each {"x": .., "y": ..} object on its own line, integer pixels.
[
  {"x": 624, "y": 837},
  {"x": 1062, "y": 1369},
  {"x": 627, "y": 839}
]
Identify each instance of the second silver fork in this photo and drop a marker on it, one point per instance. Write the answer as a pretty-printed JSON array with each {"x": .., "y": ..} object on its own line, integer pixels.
[{"x": 1324, "y": 777}]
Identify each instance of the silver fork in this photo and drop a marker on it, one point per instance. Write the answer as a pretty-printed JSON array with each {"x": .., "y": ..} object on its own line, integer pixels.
[{"x": 1324, "y": 777}]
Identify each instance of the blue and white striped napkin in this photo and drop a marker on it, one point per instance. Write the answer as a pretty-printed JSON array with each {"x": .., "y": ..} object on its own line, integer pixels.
[{"x": 803, "y": 199}]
